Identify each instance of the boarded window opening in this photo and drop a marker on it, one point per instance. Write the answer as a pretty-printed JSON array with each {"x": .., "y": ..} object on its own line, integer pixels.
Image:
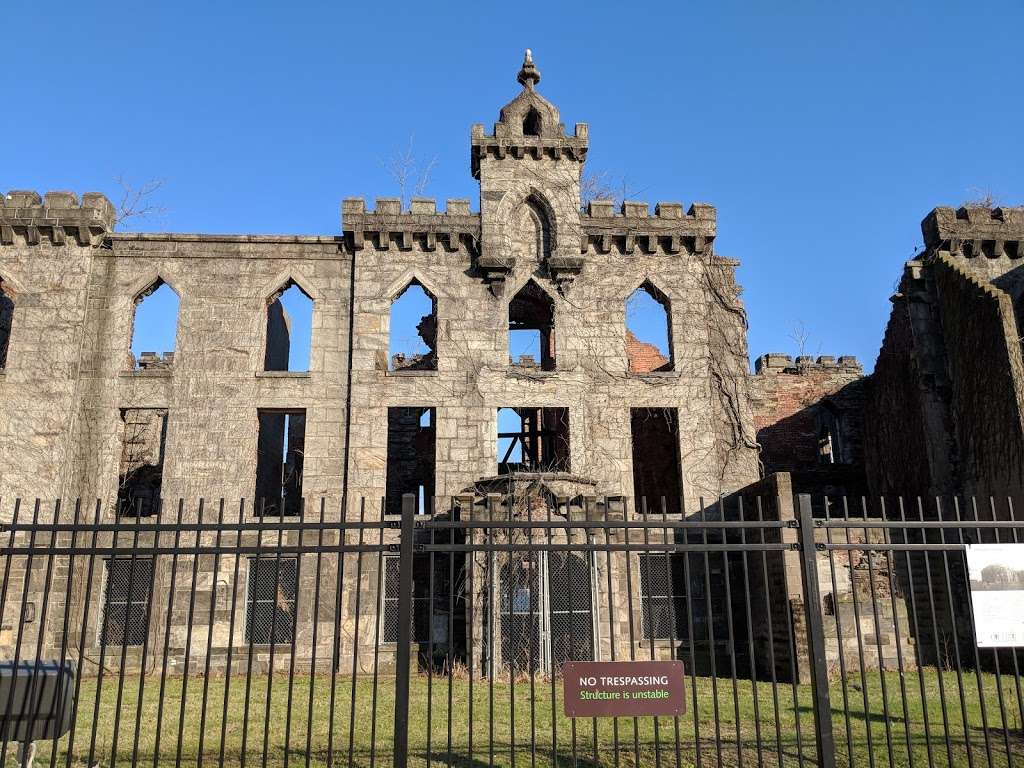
[
  {"x": 411, "y": 458},
  {"x": 6, "y": 320},
  {"x": 280, "y": 454},
  {"x": 126, "y": 600},
  {"x": 289, "y": 329},
  {"x": 533, "y": 440},
  {"x": 657, "y": 477},
  {"x": 531, "y": 329},
  {"x": 532, "y": 123},
  {"x": 648, "y": 331},
  {"x": 663, "y": 596},
  {"x": 270, "y": 602},
  {"x": 154, "y": 327},
  {"x": 412, "y": 344},
  {"x": 140, "y": 477}
]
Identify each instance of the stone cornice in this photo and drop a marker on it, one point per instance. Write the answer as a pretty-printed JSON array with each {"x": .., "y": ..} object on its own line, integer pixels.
[
  {"x": 54, "y": 216},
  {"x": 975, "y": 231},
  {"x": 388, "y": 223},
  {"x": 633, "y": 227}
]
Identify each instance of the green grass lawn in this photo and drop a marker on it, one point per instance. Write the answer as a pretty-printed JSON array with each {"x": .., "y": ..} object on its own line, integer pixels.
[{"x": 750, "y": 730}]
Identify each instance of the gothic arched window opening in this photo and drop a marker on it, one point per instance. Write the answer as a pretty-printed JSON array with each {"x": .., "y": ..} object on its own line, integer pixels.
[
  {"x": 154, "y": 326},
  {"x": 531, "y": 329},
  {"x": 289, "y": 329},
  {"x": 532, "y": 123},
  {"x": 648, "y": 331},
  {"x": 412, "y": 345}
]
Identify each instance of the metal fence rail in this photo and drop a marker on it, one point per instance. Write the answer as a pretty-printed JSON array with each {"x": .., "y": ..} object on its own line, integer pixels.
[{"x": 812, "y": 631}]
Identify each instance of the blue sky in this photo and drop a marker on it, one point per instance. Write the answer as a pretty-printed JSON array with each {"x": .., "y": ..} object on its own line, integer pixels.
[{"x": 822, "y": 132}]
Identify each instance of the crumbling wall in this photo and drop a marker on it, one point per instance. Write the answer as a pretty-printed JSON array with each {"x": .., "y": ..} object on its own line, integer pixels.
[{"x": 987, "y": 380}]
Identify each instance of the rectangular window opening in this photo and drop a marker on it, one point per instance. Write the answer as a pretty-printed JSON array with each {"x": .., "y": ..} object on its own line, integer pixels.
[
  {"x": 270, "y": 602},
  {"x": 411, "y": 460},
  {"x": 657, "y": 474},
  {"x": 126, "y": 600},
  {"x": 533, "y": 440},
  {"x": 140, "y": 475},
  {"x": 280, "y": 454}
]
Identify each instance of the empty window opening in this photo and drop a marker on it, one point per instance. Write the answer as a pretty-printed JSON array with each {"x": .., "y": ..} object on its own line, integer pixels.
[
  {"x": 533, "y": 440},
  {"x": 648, "y": 331},
  {"x": 280, "y": 453},
  {"x": 829, "y": 437},
  {"x": 155, "y": 327},
  {"x": 413, "y": 341},
  {"x": 289, "y": 329},
  {"x": 129, "y": 581},
  {"x": 657, "y": 477},
  {"x": 532, "y": 123},
  {"x": 531, "y": 329},
  {"x": 663, "y": 596},
  {"x": 270, "y": 602},
  {"x": 411, "y": 458},
  {"x": 6, "y": 320},
  {"x": 143, "y": 443}
]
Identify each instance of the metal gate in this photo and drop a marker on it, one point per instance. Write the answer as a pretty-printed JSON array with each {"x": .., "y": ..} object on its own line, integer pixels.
[{"x": 812, "y": 631}]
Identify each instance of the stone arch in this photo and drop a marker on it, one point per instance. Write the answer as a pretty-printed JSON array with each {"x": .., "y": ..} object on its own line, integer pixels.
[
  {"x": 649, "y": 346},
  {"x": 285, "y": 331},
  {"x": 404, "y": 352},
  {"x": 531, "y": 324},
  {"x": 529, "y": 226},
  {"x": 142, "y": 293}
]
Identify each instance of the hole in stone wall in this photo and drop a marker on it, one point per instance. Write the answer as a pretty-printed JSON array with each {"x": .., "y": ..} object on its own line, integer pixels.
[
  {"x": 289, "y": 329},
  {"x": 411, "y": 458},
  {"x": 6, "y": 320},
  {"x": 155, "y": 327},
  {"x": 532, "y": 123},
  {"x": 533, "y": 440},
  {"x": 140, "y": 477},
  {"x": 648, "y": 331},
  {"x": 531, "y": 329},
  {"x": 657, "y": 475},
  {"x": 829, "y": 434},
  {"x": 280, "y": 455},
  {"x": 412, "y": 344}
]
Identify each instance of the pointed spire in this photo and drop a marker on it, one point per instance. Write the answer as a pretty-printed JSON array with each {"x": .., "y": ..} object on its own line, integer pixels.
[{"x": 529, "y": 75}]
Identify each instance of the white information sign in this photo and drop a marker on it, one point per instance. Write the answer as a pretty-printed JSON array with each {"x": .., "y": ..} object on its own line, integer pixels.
[{"x": 997, "y": 593}]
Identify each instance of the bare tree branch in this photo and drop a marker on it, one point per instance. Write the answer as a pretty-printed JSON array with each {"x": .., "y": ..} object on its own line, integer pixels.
[
  {"x": 136, "y": 201},
  {"x": 410, "y": 174}
]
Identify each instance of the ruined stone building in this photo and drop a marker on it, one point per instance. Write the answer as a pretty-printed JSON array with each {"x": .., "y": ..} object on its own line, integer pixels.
[
  {"x": 602, "y": 414},
  {"x": 605, "y": 420}
]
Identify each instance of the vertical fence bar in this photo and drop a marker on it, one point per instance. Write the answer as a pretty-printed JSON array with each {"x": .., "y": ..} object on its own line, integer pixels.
[
  {"x": 404, "y": 632},
  {"x": 815, "y": 636}
]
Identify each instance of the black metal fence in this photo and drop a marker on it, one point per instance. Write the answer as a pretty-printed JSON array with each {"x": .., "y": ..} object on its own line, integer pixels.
[{"x": 812, "y": 631}]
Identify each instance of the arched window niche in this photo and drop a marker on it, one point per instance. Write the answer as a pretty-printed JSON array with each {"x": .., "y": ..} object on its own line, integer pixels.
[{"x": 649, "y": 331}]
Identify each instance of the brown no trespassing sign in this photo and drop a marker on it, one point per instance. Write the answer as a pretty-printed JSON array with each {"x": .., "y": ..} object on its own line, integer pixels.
[{"x": 623, "y": 688}]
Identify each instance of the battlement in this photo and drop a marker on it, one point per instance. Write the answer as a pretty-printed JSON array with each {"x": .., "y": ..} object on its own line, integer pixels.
[
  {"x": 669, "y": 228},
  {"x": 777, "y": 362},
  {"x": 973, "y": 231},
  {"x": 27, "y": 214},
  {"x": 388, "y": 222},
  {"x": 505, "y": 141}
]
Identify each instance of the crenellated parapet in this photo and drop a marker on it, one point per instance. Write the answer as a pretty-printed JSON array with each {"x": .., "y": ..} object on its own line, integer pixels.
[
  {"x": 973, "y": 231},
  {"x": 669, "y": 230},
  {"x": 776, "y": 362},
  {"x": 506, "y": 142},
  {"x": 54, "y": 216},
  {"x": 422, "y": 223}
]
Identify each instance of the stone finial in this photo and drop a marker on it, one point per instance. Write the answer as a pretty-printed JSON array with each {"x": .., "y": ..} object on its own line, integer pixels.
[{"x": 529, "y": 75}]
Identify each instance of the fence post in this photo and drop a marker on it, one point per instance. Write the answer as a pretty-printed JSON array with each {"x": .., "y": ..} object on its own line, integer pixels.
[
  {"x": 815, "y": 635},
  {"x": 402, "y": 650}
]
